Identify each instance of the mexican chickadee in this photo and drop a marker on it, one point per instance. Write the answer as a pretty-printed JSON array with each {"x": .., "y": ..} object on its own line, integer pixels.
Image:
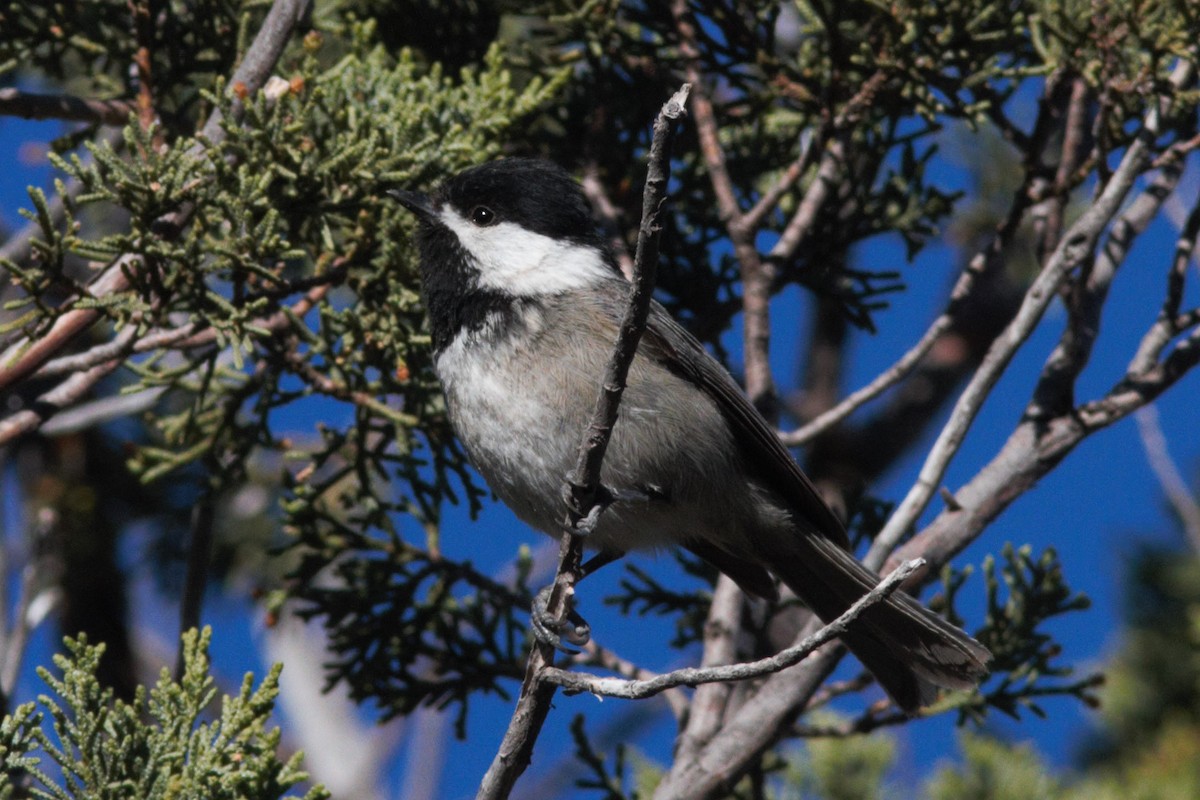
[{"x": 524, "y": 301}]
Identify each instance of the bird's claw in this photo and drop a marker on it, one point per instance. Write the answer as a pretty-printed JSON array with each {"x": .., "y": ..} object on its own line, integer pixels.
[{"x": 548, "y": 629}]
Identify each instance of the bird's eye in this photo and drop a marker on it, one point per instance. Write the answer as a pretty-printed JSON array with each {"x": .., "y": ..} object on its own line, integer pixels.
[{"x": 483, "y": 216}]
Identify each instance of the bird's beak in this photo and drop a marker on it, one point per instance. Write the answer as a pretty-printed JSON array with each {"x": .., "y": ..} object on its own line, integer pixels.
[{"x": 416, "y": 202}]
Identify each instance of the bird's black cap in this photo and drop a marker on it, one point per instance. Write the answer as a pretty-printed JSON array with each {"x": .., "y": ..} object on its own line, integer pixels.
[{"x": 536, "y": 194}]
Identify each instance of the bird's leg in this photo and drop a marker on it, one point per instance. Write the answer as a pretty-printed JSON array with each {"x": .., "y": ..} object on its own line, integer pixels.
[
  {"x": 604, "y": 497},
  {"x": 574, "y": 629}
]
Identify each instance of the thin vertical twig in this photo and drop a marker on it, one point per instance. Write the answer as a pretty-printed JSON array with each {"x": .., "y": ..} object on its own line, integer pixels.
[{"x": 582, "y": 493}]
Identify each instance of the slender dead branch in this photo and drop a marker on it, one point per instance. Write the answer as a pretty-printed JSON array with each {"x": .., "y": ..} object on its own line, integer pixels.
[
  {"x": 65, "y": 394},
  {"x": 881, "y": 382},
  {"x": 582, "y": 493},
  {"x": 603, "y": 205},
  {"x": 1181, "y": 498},
  {"x": 959, "y": 294},
  {"x": 1075, "y": 248},
  {"x": 815, "y": 197},
  {"x": 595, "y": 655},
  {"x": 576, "y": 682},
  {"x": 30, "y": 105},
  {"x": 754, "y": 218},
  {"x": 721, "y": 631},
  {"x": 749, "y": 731},
  {"x": 835, "y": 689}
]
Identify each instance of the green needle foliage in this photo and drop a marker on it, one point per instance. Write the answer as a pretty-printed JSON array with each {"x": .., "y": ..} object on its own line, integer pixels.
[
  {"x": 296, "y": 278},
  {"x": 164, "y": 745},
  {"x": 1023, "y": 593}
]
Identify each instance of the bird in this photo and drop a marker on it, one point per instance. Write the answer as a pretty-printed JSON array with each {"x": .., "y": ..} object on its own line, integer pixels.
[{"x": 524, "y": 300}]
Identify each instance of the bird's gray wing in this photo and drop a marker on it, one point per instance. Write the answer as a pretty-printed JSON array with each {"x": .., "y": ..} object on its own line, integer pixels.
[{"x": 666, "y": 341}]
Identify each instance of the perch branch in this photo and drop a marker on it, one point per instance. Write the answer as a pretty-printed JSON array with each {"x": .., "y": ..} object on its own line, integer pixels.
[
  {"x": 576, "y": 682},
  {"x": 582, "y": 492}
]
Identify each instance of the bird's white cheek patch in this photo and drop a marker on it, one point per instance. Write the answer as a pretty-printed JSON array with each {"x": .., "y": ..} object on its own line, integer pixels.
[{"x": 520, "y": 262}]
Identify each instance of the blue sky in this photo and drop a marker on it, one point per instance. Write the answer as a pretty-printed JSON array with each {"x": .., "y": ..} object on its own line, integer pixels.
[{"x": 1094, "y": 509}]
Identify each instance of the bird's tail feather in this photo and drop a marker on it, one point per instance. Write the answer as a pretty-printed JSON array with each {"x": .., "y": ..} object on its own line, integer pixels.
[{"x": 911, "y": 651}]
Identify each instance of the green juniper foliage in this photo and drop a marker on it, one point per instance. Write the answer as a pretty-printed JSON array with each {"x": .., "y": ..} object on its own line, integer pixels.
[
  {"x": 164, "y": 744},
  {"x": 1022, "y": 594},
  {"x": 291, "y": 234}
]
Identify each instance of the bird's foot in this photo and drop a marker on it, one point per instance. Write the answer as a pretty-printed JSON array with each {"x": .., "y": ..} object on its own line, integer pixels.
[{"x": 548, "y": 629}]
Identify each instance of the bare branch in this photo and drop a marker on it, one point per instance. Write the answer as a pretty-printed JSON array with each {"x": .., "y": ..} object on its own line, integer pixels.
[
  {"x": 815, "y": 198},
  {"x": 1185, "y": 251},
  {"x": 1085, "y": 298},
  {"x": 750, "y": 730},
  {"x": 1186, "y": 507},
  {"x": 65, "y": 394},
  {"x": 1140, "y": 387},
  {"x": 1034, "y": 449},
  {"x": 99, "y": 411},
  {"x": 889, "y": 377},
  {"x": 1076, "y": 246},
  {"x": 709, "y": 703},
  {"x": 582, "y": 492},
  {"x": 1048, "y": 215},
  {"x": 30, "y": 105},
  {"x": 980, "y": 263},
  {"x": 575, "y": 682},
  {"x": 25, "y": 357},
  {"x": 603, "y": 205},
  {"x": 756, "y": 275},
  {"x": 260, "y": 58},
  {"x": 753, "y": 219},
  {"x": 864, "y": 723},
  {"x": 835, "y": 689},
  {"x": 596, "y": 655}
]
